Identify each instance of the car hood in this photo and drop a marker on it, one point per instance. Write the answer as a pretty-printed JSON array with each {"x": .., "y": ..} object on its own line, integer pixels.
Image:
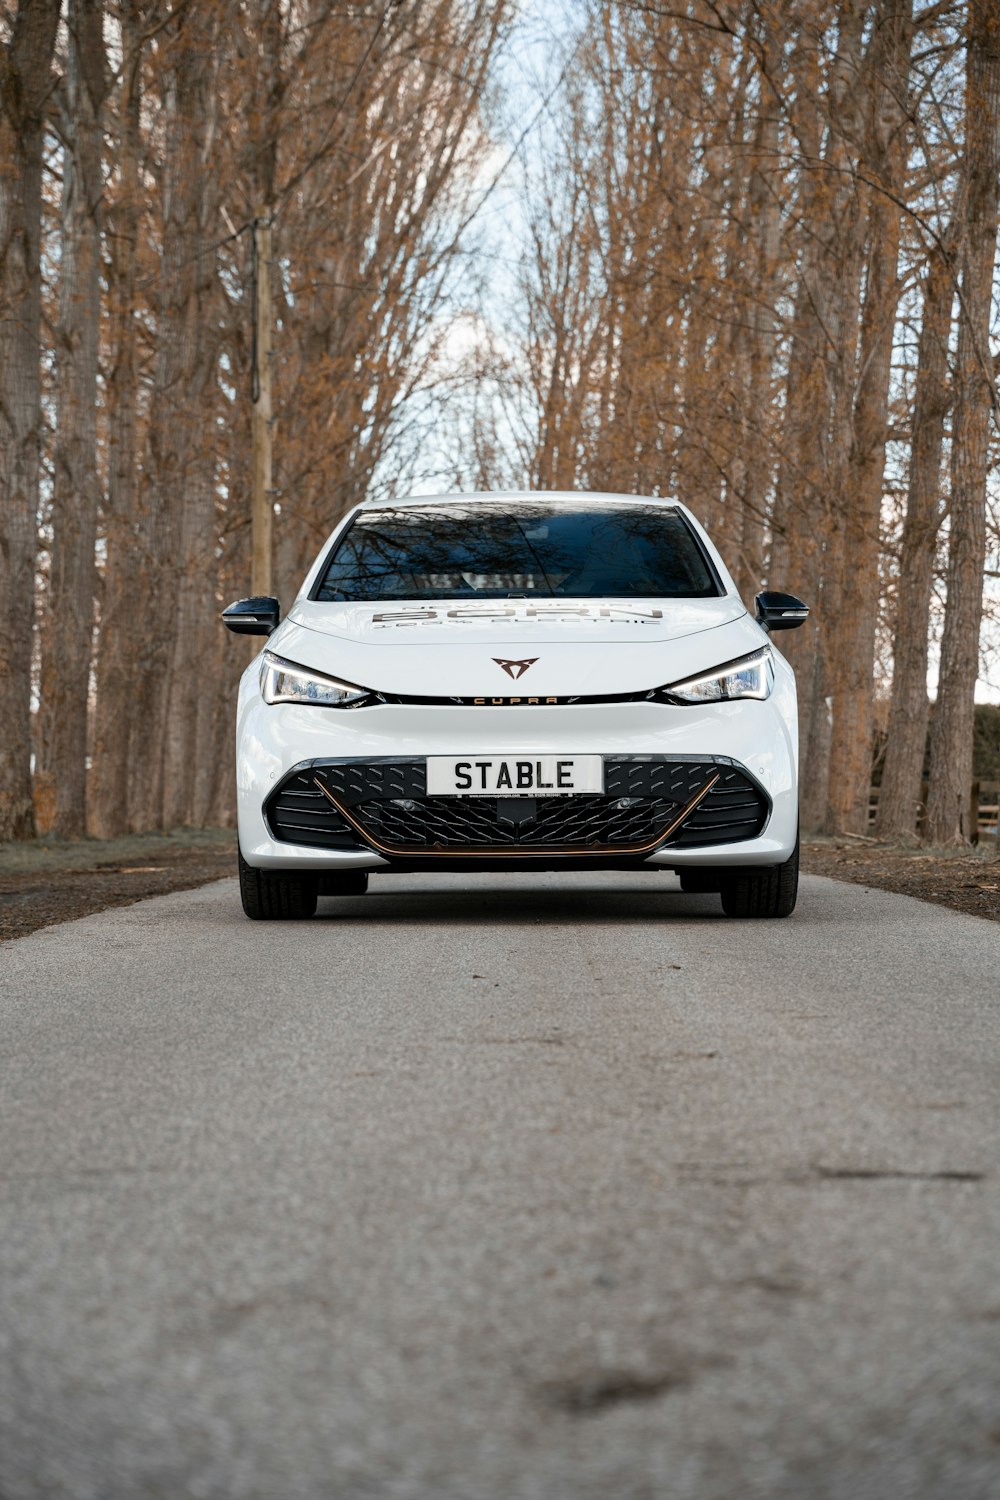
[{"x": 581, "y": 647}]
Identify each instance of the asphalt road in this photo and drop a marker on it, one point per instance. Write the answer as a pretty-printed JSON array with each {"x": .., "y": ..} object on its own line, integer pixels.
[{"x": 521, "y": 1188}]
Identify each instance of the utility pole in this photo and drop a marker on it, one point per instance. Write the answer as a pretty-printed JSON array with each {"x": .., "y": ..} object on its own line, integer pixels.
[{"x": 263, "y": 506}]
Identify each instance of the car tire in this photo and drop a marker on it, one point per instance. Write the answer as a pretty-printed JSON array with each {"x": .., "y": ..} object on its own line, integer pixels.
[
  {"x": 277, "y": 895},
  {"x": 763, "y": 893}
]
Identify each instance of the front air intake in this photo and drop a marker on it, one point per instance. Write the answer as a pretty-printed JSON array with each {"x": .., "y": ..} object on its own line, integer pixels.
[{"x": 648, "y": 803}]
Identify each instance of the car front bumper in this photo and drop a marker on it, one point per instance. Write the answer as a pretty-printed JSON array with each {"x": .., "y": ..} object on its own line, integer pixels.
[{"x": 758, "y": 737}]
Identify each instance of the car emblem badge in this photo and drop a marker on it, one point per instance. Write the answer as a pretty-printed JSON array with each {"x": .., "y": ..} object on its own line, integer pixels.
[{"x": 515, "y": 669}]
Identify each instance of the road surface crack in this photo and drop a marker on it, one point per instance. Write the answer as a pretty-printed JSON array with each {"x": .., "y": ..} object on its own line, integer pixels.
[
  {"x": 882, "y": 1174},
  {"x": 589, "y": 1394}
]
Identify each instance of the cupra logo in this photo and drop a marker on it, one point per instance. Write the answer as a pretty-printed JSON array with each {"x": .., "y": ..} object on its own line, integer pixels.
[{"x": 515, "y": 669}]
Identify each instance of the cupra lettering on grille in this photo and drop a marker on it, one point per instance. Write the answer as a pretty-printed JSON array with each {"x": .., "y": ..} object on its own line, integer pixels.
[{"x": 515, "y": 669}]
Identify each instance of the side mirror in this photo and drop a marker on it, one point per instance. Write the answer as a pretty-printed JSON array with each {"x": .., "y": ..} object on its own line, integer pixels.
[
  {"x": 252, "y": 616},
  {"x": 780, "y": 611}
]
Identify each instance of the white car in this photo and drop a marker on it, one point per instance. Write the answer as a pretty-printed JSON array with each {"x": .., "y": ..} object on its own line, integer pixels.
[{"x": 517, "y": 682}]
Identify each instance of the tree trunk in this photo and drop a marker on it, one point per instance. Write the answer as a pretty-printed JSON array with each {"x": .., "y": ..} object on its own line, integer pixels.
[
  {"x": 162, "y": 706},
  {"x": 25, "y": 80},
  {"x": 68, "y": 628},
  {"x": 121, "y": 604},
  {"x": 846, "y": 267},
  {"x": 899, "y": 796},
  {"x": 953, "y": 720},
  {"x": 854, "y": 660},
  {"x": 191, "y": 691},
  {"x": 765, "y": 224},
  {"x": 807, "y": 536}
]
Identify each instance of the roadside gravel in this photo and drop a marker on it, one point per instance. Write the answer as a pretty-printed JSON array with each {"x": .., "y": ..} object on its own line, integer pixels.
[
  {"x": 966, "y": 880},
  {"x": 56, "y": 880}
]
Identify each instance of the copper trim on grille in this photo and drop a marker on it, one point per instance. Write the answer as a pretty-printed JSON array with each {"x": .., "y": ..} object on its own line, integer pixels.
[{"x": 515, "y": 851}]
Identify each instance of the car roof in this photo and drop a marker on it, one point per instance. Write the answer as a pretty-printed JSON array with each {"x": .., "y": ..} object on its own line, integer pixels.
[{"x": 568, "y": 496}]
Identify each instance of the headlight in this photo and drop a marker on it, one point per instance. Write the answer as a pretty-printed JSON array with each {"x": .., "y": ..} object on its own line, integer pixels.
[
  {"x": 750, "y": 677},
  {"x": 283, "y": 682}
]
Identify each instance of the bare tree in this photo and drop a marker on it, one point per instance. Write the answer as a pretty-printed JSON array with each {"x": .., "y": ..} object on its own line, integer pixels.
[
  {"x": 68, "y": 626},
  {"x": 25, "y": 86},
  {"x": 906, "y": 737},
  {"x": 115, "y": 723},
  {"x": 883, "y": 161},
  {"x": 952, "y": 725}
]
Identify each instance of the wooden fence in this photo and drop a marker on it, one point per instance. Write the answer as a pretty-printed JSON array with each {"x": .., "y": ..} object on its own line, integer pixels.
[{"x": 984, "y": 799}]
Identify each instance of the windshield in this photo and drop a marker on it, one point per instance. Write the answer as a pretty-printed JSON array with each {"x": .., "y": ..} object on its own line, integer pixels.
[{"x": 521, "y": 549}]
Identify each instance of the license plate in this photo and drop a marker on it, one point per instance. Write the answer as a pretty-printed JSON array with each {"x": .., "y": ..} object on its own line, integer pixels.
[{"x": 514, "y": 775}]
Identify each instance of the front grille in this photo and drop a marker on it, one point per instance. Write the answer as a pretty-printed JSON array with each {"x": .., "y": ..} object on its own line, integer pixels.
[
  {"x": 513, "y": 823},
  {"x": 382, "y": 804}
]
